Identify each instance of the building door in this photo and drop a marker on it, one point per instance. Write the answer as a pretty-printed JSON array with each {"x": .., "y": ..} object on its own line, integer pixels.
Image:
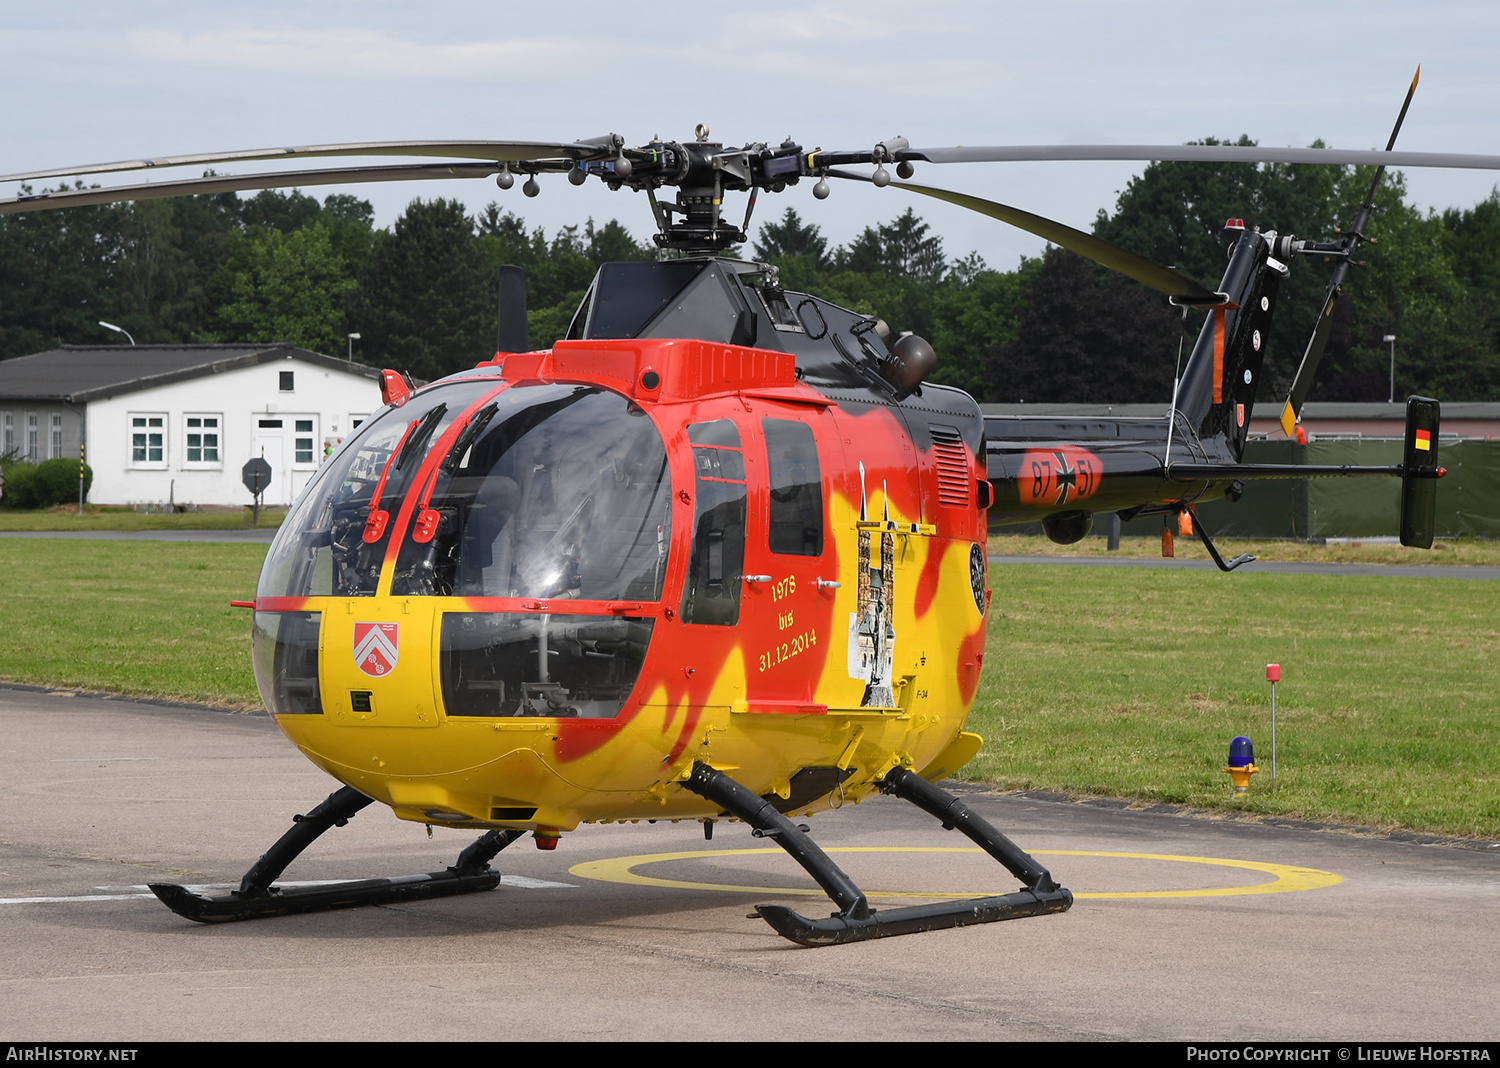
[
  {"x": 268, "y": 444},
  {"x": 294, "y": 457}
]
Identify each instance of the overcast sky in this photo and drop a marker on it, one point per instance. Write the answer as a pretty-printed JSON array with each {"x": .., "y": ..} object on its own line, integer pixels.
[{"x": 92, "y": 81}]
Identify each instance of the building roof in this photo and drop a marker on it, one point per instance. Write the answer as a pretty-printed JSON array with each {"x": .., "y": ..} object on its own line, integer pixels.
[{"x": 77, "y": 374}]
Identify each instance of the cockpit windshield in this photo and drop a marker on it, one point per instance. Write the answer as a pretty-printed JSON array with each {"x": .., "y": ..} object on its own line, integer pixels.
[
  {"x": 557, "y": 492},
  {"x": 547, "y": 491}
]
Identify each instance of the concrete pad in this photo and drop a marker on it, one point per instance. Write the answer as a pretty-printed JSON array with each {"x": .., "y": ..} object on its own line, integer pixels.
[{"x": 101, "y": 796}]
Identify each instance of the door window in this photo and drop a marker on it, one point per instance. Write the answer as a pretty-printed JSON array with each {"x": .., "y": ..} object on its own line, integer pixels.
[
  {"x": 796, "y": 506},
  {"x": 712, "y": 592}
]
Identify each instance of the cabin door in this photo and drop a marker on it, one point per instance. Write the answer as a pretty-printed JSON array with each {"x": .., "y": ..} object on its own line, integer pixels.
[{"x": 791, "y": 564}]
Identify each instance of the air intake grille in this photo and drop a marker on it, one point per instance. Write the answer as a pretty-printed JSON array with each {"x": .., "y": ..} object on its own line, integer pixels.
[{"x": 954, "y": 483}]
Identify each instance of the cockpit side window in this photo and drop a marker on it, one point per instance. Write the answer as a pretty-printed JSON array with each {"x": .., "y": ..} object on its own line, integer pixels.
[
  {"x": 715, "y": 570},
  {"x": 333, "y": 542}
]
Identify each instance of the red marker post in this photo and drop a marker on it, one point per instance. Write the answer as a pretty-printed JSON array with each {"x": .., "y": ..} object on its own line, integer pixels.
[{"x": 1273, "y": 676}]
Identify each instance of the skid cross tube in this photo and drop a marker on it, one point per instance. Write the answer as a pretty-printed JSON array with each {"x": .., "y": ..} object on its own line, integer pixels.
[
  {"x": 335, "y": 811},
  {"x": 858, "y": 922},
  {"x": 257, "y": 897},
  {"x": 955, "y": 815},
  {"x": 761, "y": 815}
]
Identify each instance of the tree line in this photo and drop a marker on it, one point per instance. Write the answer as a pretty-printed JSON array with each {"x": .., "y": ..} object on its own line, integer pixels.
[
  {"x": 286, "y": 267},
  {"x": 421, "y": 293}
]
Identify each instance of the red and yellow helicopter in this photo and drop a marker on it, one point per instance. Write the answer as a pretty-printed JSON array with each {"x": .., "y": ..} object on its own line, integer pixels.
[{"x": 719, "y": 553}]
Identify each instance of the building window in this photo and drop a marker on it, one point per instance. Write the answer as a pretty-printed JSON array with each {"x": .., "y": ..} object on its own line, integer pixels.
[
  {"x": 202, "y": 436},
  {"x": 148, "y": 441},
  {"x": 56, "y": 435},
  {"x": 302, "y": 442},
  {"x": 32, "y": 450},
  {"x": 287, "y": 382},
  {"x": 8, "y": 444}
]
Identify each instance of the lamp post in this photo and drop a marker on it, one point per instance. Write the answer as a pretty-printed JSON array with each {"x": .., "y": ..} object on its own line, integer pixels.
[
  {"x": 352, "y": 339},
  {"x": 118, "y": 330},
  {"x": 1390, "y": 339}
]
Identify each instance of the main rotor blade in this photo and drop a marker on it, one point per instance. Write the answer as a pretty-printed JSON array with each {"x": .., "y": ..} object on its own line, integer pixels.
[
  {"x": 1203, "y": 154},
  {"x": 489, "y": 151},
  {"x": 1291, "y": 412},
  {"x": 1168, "y": 280},
  {"x": 228, "y": 183}
]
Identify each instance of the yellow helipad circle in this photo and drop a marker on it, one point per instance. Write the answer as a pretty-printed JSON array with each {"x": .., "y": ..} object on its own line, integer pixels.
[{"x": 1285, "y": 877}]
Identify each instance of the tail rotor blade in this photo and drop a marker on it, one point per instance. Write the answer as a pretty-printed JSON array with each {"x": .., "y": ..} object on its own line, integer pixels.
[
  {"x": 1404, "y": 105},
  {"x": 1302, "y": 383},
  {"x": 1291, "y": 413}
]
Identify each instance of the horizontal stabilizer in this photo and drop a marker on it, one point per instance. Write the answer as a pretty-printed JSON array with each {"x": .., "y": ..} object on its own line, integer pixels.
[{"x": 1188, "y": 472}]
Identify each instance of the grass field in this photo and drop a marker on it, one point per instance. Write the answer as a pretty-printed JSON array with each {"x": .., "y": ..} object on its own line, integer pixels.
[
  {"x": 1131, "y": 683},
  {"x": 1466, "y": 552},
  {"x": 145, "y": 618},
  {"x": 66, "y": 517},
  {"x": 1124, "y": 683}
]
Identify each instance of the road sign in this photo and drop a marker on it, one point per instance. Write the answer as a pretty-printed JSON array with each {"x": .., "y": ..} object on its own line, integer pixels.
[{"x": 256, "y": 474}]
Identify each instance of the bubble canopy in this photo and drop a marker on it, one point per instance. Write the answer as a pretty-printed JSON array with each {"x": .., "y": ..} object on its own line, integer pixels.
[
  {"x": 493, "y": 493},
  {"x": 541, "y": 491}
]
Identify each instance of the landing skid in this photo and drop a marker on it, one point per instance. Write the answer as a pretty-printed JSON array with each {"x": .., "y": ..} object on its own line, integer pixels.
[
  {"x": 1208, "y": 543},
  {"x": 257, "y": 897},
  {"x": 856, "y": 921}
]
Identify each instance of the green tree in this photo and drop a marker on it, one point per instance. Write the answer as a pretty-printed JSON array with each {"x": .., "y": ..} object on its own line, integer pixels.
[
  {"x": 207, "y": 226},
  {"x": 287, "y": 287},
  {"x": 1174, "y": 213},
  {"x": 1445, "y": 347},
  {"x": 157, "y": 297},
  {"x": 351, "y": 229},
  {"x": 1472, "y": 243},
  {"x": 901, "y": 248},
  {"x": 1086, "y": 337},
  {"x": 426, "y": 302},
  {"x": 976, "y": 309},
  {"x": 275, "y": 210},
  {"x": 57, "y": 276},
  {"x": 792, "y": 239},
  {"x": 612, "y": 243}
]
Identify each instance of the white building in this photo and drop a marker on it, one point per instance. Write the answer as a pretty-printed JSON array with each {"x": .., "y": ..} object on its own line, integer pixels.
[{"x": 177, "y": 423}]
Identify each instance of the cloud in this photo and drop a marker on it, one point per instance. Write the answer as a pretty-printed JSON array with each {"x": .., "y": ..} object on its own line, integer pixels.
[
  {"x": 350, "y": 51},
  {"x": 820, "y": 24}
]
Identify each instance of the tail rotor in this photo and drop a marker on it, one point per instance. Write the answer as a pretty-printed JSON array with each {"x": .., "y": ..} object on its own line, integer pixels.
[{"x": 1343, "y": 251}]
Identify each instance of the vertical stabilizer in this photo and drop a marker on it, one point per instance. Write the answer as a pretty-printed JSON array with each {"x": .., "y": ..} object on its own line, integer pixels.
[{"x": 1218, "y": 385}]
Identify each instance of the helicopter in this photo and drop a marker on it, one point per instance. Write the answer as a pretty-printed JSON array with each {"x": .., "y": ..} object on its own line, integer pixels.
[{"x": 719, "y": 552}]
